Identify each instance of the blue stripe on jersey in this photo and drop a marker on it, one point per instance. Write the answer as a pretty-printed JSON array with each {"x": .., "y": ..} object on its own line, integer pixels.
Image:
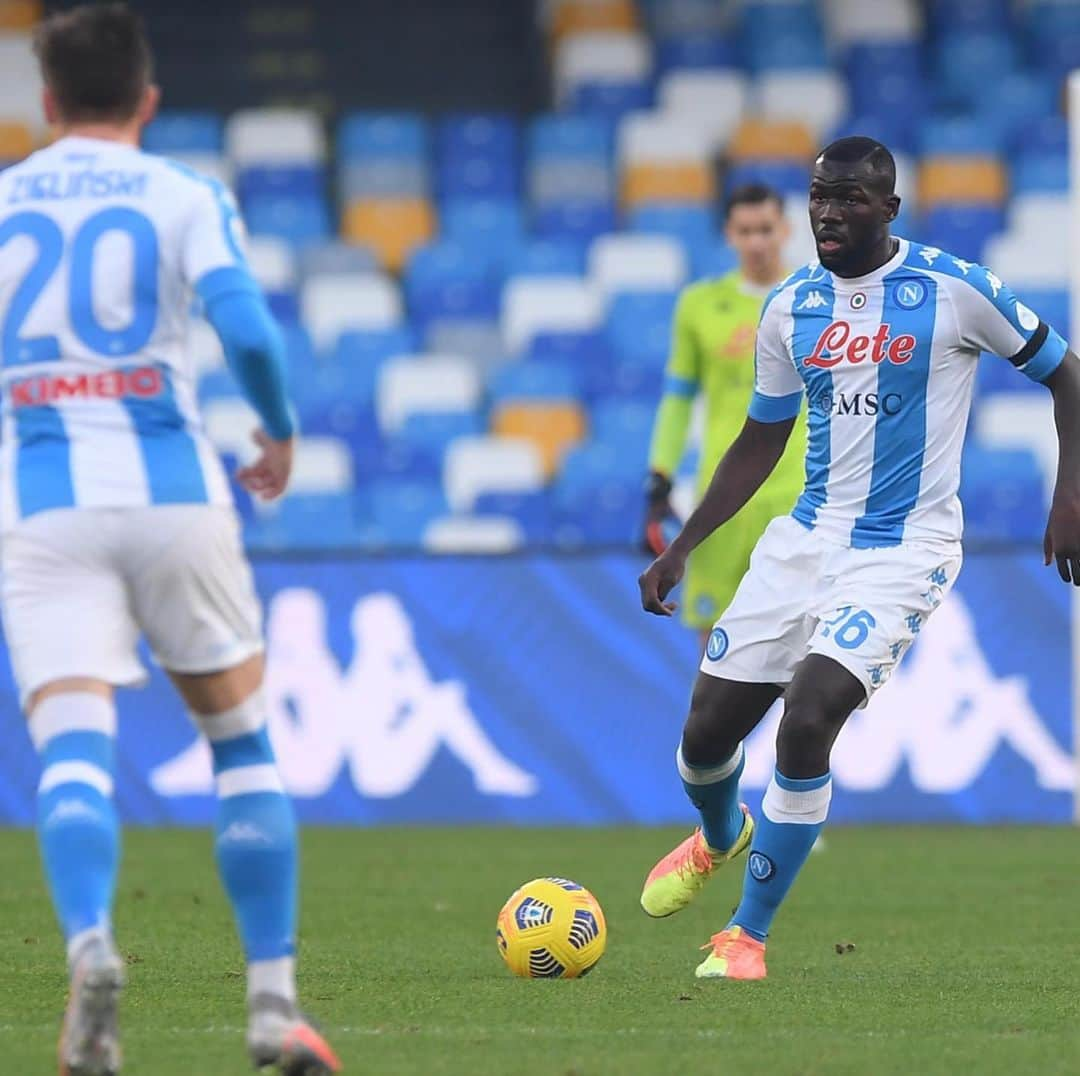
[
  {"x": 174, "y": 472},
  {"x": 900, "y": 438},
  {"x": 42, "y": 461},
  {"x": 774, "y": 408},
  {"x": 809, "y": 321}
]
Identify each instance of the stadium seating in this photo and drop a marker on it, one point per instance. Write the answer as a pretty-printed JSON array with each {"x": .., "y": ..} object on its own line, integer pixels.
[{"x": 477, "y": 307}]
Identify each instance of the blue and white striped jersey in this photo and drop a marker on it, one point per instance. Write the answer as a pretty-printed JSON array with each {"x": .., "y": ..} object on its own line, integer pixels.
[
  {"x": 887, "y": 362},
  {"x": 101, "y": 246}
]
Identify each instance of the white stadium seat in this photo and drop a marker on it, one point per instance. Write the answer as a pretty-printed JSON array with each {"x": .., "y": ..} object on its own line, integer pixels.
[
  {"x": 270, "y": 136},
  {"x": 490, "y": 535},
  {"x": 907, "y": 180},
  {"x": 212, "y": 165},
  {"x": 637, "y": 263},
  {"x": 475, "y": 465},
  {"x": 1028, "y": 264},
  {"x": 1040, "y": 217},
  {"x": 273, "y": 263},
  {"x": 334, "y": 302},
  {"x": 662, "y": 137},
  {"x": 818, "y": 99},
  {"x": 1020, "y": 420},
  {"x": 536, "y": 304},
  {"x": 20, "y": 82},
  {"x": 886, "y": 21},
  {"x": 229, "y": 423},
  {"x": 800, "y": 247},
  {"x": 415, "y": 384},
  {"x": 321, "y": 465},
  {"x": 711, "y": 101},
  {"x": 615, "y": 56}
]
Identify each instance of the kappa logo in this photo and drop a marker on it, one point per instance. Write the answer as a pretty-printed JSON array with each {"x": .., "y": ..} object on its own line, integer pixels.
[
  {"x": 995, "y": 283},
  {"x": 814, "y": 301},
  {"x": 963, "y": 266},
  {"x": 929, "y": 254}
]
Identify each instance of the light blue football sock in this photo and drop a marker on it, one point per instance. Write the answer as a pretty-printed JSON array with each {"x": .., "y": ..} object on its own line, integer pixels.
[
  {"x": 792, "y": 814},
  {"x": 714, "y": 791},
  {"x": 78, "y": 834},
  {"x": 255, "y": 835}
]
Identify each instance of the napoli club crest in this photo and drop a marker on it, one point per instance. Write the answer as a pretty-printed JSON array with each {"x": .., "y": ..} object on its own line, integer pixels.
[
  {"x": 717, "y": 645},
  {"x": 910, "y": 294}
]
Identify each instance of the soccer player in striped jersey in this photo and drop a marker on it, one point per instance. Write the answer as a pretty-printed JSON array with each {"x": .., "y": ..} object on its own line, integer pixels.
[
  {"x": 117, "y": 518},
  {"x": 882, "y": 337}
]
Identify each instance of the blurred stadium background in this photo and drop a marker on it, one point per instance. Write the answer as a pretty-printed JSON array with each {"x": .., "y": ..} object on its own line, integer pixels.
[{"x": 472, "y": 220}]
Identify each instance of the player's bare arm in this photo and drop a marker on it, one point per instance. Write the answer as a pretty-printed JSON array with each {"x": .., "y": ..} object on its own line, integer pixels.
[
  {"x": 740, "y": 474},
  {"x": 1062, "y": 541}
]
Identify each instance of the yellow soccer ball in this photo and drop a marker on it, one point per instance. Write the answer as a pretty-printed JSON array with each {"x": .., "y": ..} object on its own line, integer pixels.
[{"x": 551, "y": 928}]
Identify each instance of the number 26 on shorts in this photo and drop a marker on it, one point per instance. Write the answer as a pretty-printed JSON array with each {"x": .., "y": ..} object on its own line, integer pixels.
[{"x": 850, "y": 628}]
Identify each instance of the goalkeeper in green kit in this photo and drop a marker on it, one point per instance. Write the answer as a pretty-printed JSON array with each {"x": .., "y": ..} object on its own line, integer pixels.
[{"x": 712, "y": 354}]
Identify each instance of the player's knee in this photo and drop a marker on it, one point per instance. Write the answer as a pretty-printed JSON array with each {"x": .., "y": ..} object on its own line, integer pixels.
[
  {"x": 706, "y": 740},
  {"x": 805, "y": 739}
]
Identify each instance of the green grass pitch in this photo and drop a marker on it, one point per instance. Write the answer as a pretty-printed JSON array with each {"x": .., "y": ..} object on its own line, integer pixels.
[{"x": 964, "y": 958}]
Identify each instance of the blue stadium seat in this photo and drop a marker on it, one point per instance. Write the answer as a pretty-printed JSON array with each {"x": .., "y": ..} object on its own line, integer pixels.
[
  {"x": 1040, "y": 172},
  {"x": 556, "y": 136},
  {"x": 457, "y": 300},
  {"x": 1016, "y": 101},
  {"x": 897, "y": 130},
  {"x": 1060, "y": 54},
  {"x": 432, "y": 431},
  {"x": 475, "y": 175},
  {"x": 638, "y": 326},
  {"x": 335, "y": 256},
  {"x": 400, "y": 461},
  {"x": 788, "y": 177},
  {"x": 761, "y": 22},
  {"x": 297, "y": 220},
  {"x": 695, "y": 51},
  {"x": 786, "y": 51},
  {"x": 533, "y": 512},
  {"x": 184, "y": 132},
  {"x": 280, "y": 181},
  {"x": 579, "y": 221},
  {"x": 610, "y": 99},
  {"x": 970, "y": 16},
  {"x": 494, "y": 227},
  {"x": 968, "y": 61},
  {"x": 548, "y": 257},
  {"x": 1050, "y": 134},
  {"x": 551, "y": 380},
  {"x": 311, "y": 521},
  {"x": 962, "y": 229},
  {"x": 954, "y": 135},
  {"x": 715, "y": 259},
  {"x": 597, "y": 495},
  {"x": 403, "y": 510},
  {"x": 695, "y": 225},
  {"x": 490, "y": 135},
  {"x": 382, "y": 134},
  {"x": 371, "y": 347},
  {"x": 1003, "y": 495},
  {"x": 866, "y": 61}
]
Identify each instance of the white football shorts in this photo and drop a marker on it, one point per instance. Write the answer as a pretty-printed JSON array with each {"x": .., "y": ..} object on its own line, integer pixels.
[
  {"x": 805, "y": 594},
  {"x": 79, "y": 586}
]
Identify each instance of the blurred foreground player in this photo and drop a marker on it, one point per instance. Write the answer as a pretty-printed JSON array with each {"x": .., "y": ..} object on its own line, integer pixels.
[
  {"x": 883, "y": 336},
  {"x": 117, "y": 516},
  {"x": 712, "y": 355}
]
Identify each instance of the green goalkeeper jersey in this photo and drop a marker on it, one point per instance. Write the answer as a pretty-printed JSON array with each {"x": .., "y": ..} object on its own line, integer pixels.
[{"x": 712, "y": 354}]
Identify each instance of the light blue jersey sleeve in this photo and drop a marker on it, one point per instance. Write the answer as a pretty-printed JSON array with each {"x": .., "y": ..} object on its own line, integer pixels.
[
  {"x": 991, "y": 318},
  {"x": 254, "y": 348}
]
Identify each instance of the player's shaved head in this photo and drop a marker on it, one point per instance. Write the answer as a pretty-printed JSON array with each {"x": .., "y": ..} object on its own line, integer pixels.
[
  {"x": 96, "y": 62},
  {"x": 863, "y": 156}
]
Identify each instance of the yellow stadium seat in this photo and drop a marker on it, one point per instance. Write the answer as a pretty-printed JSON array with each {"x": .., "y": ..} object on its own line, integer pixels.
[
  {"x": 583, "y": 16},
  {"x": 682, "y": 181},
  {"x": 16, "y": 141},
  {"x": 19, "y": 14},
  {"x": 392, "y": 227},
  {"x": 961, "y": 179},
  {"x": 760, "y": 139},
  {"x": 552, "y": 427}
]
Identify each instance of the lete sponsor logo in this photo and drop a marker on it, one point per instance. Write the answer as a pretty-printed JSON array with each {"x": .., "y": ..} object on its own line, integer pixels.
[
  {"x": 837, "y": 344},
  {"x": 383, "y": 717}
]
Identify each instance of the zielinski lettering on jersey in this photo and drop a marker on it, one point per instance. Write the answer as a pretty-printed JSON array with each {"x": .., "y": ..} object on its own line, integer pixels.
[{"x": 58, "y": 186}]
